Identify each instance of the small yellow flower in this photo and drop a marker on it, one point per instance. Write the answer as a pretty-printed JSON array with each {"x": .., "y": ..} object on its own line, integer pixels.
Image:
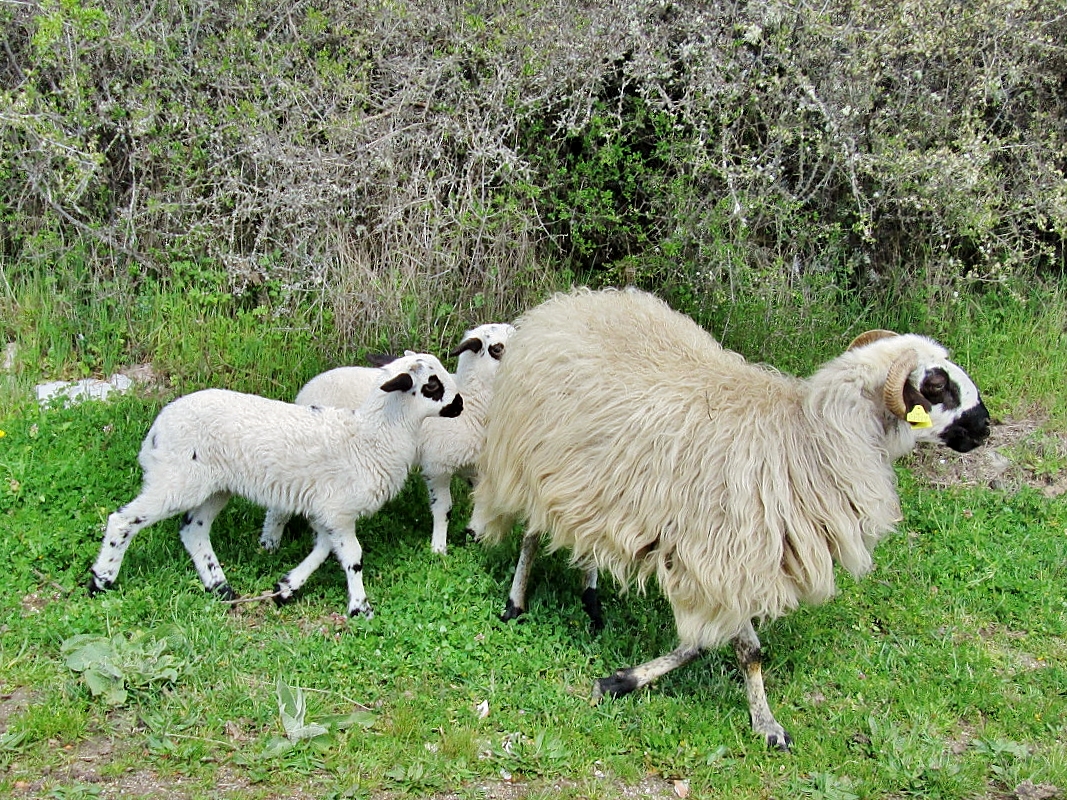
[{"x": 2, "y": 434}]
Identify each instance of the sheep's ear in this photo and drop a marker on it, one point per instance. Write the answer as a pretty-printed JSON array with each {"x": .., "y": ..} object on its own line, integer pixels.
[
  {"x": 474, "y": 345},
  {"x": 401, "y": 383},
  {"x": 380, "y": 359}
]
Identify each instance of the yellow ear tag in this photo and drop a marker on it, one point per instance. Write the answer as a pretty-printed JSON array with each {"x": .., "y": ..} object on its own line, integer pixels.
[{"x": 919, "y": 418}]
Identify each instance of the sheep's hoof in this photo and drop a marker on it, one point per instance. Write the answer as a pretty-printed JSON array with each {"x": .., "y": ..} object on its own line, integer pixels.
[
  {"x": 511, "y": 611},
  {"x": 780, "y": 741},
  {"x": 622, "y": 682},
  {"x": 593, "y": 608},
  {"x": 223, "y": 592},
  {"x": 95, "y": 585}
]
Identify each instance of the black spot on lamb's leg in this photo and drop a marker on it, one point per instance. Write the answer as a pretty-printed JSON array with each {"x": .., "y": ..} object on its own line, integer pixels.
[
  {"x": 284, "y": 593},
  {"x": 95, "y": 585},
  {"x": 194, "y": 455},
  {"x": 224, "y": 592}
]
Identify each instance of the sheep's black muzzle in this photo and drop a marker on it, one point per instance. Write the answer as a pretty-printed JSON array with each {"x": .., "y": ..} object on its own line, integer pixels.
[
  {"x": 454, "y": 408},
  {"x": 969, "y": 431}
]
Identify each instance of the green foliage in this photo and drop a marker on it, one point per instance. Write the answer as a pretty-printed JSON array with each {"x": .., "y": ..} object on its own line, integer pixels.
[
  {"x": 416, "y": 168},
  {"x": 113, "y": 666}
]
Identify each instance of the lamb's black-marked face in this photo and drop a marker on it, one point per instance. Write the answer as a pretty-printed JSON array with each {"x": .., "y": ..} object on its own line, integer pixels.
[
  {"x": 433, "y": 388},
  {"x": 486, "y": 340},
  {"x": 960, "y": 418}
]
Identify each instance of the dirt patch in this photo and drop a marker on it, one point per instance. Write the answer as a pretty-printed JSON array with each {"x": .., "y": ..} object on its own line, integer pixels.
[{"x": 1019, "y": 453}]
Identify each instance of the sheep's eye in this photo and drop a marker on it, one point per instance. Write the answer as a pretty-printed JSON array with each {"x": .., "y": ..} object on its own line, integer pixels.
[
  {"x": 938, "y": 389},
  {"x": 433, "y": 388},
  {"x": 496, "y": 350}
]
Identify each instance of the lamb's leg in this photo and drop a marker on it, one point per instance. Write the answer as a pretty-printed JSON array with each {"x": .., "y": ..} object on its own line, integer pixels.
[
  {"x": 122, "y": 526},
  {"x": 440, "y": 489},
  {"x": 626, "y": 680},
  {"x": 273, "y": 527},
  {"x": 591, "y": 601},
  {"x": 196, "y": 536},
  {"x": 749, "y": 656},
  {"x": 286, "y": 589},
  {"x": 516, "y": 604},
  {"x": 340, "y": 533}
]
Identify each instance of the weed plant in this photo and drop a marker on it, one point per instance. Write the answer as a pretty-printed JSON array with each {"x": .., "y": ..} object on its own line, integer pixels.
[{"x": 941, "y": 675}]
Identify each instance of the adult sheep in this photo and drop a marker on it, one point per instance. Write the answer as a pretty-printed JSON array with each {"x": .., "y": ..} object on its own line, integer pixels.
[
  {"x": 446, "y": 445},
  {"x": 332, "y": 465},
  {"x": 621, "y": 430}
]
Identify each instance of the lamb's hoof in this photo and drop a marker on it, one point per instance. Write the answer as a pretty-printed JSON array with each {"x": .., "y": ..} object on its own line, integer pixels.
[
  {"x": 283, "y": 594},
  {"x": 622, "y": 682},
  {"x": 780, "y": 740},
  {"x": 96, "y": 586},
  {"x": 361, "y": 609},
  {"x": 270, "y": 545},
  {"x": 223, "y": 592},
  {"x": 511, "y": 611}
]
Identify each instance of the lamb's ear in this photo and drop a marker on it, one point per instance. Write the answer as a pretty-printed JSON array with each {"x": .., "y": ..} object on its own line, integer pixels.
[
  {"x": 474, "y": 345},
  {"x": 401, "y": 383}
]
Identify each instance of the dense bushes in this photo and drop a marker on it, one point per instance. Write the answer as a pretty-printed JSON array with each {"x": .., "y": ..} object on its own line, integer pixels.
[{"x": 411, "y": 162}]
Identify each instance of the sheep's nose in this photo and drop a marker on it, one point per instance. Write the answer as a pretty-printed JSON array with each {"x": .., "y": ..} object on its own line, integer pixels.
[{"x": 454, "y": 408}]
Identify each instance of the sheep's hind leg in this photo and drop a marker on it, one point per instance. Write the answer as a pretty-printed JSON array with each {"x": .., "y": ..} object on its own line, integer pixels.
[
  {"x": 627, "y": 680},
  {"x": 591, "y": 601},
  {"x": 516, "y": 605},
  {"x": 286, "y": 589},
  {"x": 196, "y": 536},
  {"x": 749, "y": 657},
  {"x": 440, "y": 489},
  {"x": 273, "y": 527},
  {"x": 122, "y": 526}
]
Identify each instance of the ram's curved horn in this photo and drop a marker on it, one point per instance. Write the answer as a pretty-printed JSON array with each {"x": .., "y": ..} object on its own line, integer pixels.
[
  {"x": 868, "y": 337},
  {"x": 893, "y": 394}
]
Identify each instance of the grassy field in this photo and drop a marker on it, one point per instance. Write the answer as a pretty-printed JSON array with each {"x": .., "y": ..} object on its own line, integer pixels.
[{"x": 940, "y": 675}]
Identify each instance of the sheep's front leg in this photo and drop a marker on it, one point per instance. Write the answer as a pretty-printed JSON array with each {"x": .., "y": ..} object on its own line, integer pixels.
[
  {"x": 750, "y": 658},
  {"x": 440, "y": 489},
  {"x": 627, "y": 680},
  {"x": 196, "y": 536}
]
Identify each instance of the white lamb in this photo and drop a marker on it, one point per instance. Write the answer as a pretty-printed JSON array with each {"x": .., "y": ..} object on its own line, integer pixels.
[
  {"x": 622, "y": 431},
  {"x": 446, "y": 446},
  {"x": 332, "y": 465}
]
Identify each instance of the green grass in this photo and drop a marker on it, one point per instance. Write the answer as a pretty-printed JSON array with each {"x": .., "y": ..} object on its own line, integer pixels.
[{"x": 940, "y": 675}]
